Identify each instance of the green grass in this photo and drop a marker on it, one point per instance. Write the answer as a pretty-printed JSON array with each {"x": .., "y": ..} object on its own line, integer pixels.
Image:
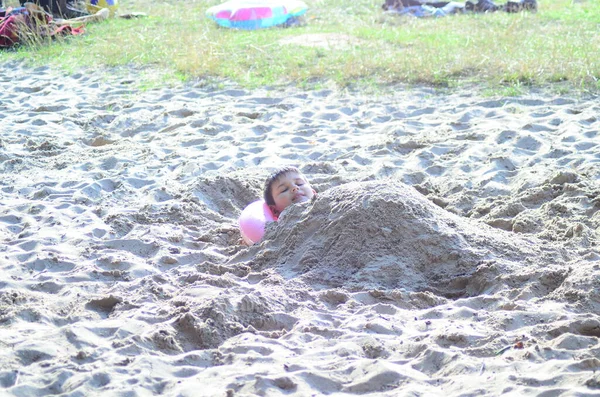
[{"x": 557, "y": 46}]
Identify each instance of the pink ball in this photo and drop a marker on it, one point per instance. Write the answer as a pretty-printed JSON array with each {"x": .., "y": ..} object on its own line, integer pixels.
[{"x": 253, "y": 219}]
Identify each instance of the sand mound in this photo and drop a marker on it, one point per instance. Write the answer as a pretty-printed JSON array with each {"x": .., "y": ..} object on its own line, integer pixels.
[{"x": 386, "y": 235}]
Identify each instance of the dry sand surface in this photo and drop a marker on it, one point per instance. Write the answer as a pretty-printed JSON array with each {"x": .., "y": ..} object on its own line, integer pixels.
[{"x": 452, "y": 249}]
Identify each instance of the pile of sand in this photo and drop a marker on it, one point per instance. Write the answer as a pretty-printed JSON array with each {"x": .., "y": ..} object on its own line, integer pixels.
[{"x": 386, "y": 235}]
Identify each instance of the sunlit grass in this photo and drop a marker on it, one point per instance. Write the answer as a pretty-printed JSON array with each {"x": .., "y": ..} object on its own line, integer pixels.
[{"x": 558, "y": 44}]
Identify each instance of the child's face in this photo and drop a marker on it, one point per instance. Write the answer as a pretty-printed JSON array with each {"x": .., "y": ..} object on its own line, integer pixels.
[{"x": 289, "y": 189}]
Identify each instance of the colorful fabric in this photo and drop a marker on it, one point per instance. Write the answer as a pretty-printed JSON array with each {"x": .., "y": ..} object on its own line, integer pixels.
[
  {"x": 30, "y": 20},
  {"x": 13, "y": 24},
  {"x": 255, "y": 14}
]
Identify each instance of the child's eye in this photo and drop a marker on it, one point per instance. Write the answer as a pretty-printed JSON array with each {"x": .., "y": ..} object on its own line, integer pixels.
[{"x": 284, "y": 190}]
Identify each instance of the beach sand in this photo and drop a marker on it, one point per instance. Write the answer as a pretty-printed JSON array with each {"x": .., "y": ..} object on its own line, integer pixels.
[{"x": 452, "y": 248}]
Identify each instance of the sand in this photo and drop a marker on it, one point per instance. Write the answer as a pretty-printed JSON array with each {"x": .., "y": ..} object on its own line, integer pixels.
[{"x": 452, "y": 248}]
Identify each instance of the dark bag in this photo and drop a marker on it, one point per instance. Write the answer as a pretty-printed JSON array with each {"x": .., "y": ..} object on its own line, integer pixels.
[
  {"x": 521, "y": 5},
  {"x": 481, "y": 6},
  {"x": 57, "y": 8}
]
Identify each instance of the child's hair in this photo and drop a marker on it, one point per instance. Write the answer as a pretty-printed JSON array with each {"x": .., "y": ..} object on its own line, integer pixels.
[{"x": 268, "y": 195}]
